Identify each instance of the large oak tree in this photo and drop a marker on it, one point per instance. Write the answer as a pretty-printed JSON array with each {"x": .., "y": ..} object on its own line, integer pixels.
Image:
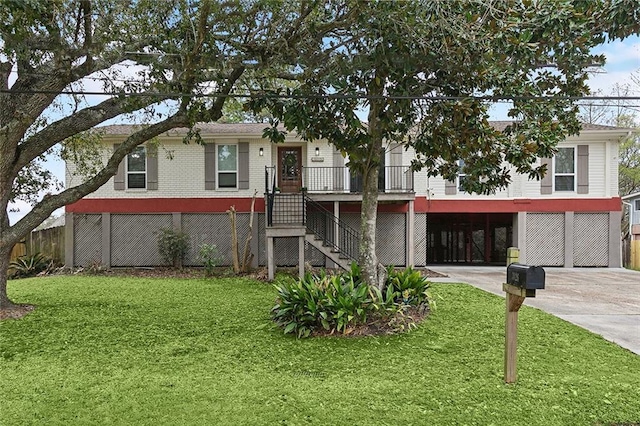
[
  {"x": 188, "y": 54},
  {"x": 427, "y": 72}
]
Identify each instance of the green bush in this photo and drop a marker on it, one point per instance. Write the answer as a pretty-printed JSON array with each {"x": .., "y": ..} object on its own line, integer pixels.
[
  {"x": 348, "y": 300},
  {"x": 344, "y": 301},
  {"x": 208, "y": 255},
  {"x": 30, "y": 265},
  {"x": 301, "y": 305},
  {"x": 410, "y": 284},
  {"x": 173, "y": 246}
]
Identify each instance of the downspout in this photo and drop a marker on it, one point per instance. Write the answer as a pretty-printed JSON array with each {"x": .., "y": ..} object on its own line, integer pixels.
[
  {"x": 630, "y": 236},
  {"x": 630, "y": 211}
]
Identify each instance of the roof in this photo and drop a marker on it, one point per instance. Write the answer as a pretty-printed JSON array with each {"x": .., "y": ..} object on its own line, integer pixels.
[
  {"x": 205, "y": 128},
  {"x": 258, "y": 128},
  {"x": 631, "y": 196},
  {"x": 501, "y": 125}
]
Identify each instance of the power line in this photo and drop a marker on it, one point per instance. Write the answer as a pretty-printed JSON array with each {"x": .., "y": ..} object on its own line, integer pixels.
[{"x": 494, "y": 98}]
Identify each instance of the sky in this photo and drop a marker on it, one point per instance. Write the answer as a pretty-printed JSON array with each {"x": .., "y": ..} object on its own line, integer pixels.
[{"x": 622, "y": 60}]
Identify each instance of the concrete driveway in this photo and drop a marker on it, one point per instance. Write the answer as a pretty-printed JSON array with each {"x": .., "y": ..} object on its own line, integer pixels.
[{"x": 605, "y": 301}]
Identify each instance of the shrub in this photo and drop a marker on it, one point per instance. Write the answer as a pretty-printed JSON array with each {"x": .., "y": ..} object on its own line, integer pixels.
[
  {"x": 301, "y": 305},
  {"x": 348, "y": 301},
  {"x": 173, "y": 246},
  {"x": 208, "y": 255},
  {"x": 344, "y": 301},
  {"x": 30, "y": 265},
  {"x": 410, "y": 284}
]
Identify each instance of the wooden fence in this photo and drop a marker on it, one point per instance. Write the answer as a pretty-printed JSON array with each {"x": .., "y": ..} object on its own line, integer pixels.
[
  {"x": 626, "y": 253},
  {"x": 19, "y": 249},
  {"x": 49, "y": 242}
]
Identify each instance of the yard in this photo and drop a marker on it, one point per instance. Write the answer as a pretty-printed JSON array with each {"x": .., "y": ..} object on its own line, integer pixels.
[{"x": 115, "y": 350}]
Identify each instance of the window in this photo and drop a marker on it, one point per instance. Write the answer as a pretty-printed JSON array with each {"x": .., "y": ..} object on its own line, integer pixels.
[
  {"x": 137, "y": 169},
  {"x": 564, "y": 169},
  {"x": 227, "y": 167},
  {"x": 638, "y": 205},
  {"x": 461, "y": 175}
]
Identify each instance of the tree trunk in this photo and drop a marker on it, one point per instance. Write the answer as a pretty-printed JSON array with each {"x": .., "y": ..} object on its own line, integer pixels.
[
  {"x": 368, "y": 258},
  {"x": 368, "y": 216},
  {"x": 5, "y": 303},
  {"x": 247, "y": 256}
]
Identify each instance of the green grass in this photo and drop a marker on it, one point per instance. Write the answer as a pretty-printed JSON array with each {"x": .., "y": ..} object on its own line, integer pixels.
[{"x": 112, "y": 350}]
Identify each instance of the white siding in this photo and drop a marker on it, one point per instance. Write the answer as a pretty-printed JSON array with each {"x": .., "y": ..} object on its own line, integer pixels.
[
  {"x": 183, "y": 176},
  {"x": 597, "y": 170}
]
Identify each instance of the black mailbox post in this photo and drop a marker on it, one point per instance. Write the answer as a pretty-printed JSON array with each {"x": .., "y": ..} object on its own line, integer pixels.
[{"x": 525, "y": 276}]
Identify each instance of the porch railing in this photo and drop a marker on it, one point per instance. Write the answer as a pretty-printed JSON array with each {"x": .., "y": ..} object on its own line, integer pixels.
[
  {"x": 340, "y": 179},
  {"x": 269, "y": 191},
  {"x": 282, "y": 209},
  {"x": 299, "y": 209}
]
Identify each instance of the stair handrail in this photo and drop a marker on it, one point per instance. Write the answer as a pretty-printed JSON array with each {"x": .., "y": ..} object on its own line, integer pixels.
[
  {"x": 270, "y": 195},
  {"x": 347, "y": 240}
]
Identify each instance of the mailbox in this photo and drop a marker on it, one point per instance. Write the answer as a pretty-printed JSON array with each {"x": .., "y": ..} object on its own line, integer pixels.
[{"x": 525, "y": 276}]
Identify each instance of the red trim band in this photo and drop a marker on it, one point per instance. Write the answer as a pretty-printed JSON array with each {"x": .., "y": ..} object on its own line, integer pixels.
[
  {"x": 163, "y": 205},
  {"x": 423, "y": 205}
]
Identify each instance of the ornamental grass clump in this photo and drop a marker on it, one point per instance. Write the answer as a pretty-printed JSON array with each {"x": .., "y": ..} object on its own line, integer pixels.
[{"x": 344, "y": 303}]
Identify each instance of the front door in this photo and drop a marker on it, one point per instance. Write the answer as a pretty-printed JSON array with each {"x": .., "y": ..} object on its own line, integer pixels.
[{"x": 290, "y": 169}]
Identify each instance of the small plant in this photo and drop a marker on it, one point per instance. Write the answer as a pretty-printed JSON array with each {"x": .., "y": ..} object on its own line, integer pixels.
[
  {"x": 209, "y": 256},
  {"x": 30, "y": 265},
  {"x": 95, "y": 268},
  {"x": 173, "y": 246}
]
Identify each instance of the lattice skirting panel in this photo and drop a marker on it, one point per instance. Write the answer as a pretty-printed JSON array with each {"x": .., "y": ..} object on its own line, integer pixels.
[
  {"x": 390, "y": 236},
  {"x": 87, "y": 239},
  {"x": 420, "y": 239},
  {"x": 261, "y": 256},
  {"x": 545, "y": 239},
  {"x": 391, "y": 232},
  {"x": 134, "y": 238},
  {"x": 285, "y": 251},
  {"x": 214, "y": 228},
  {"x": 591, "y": 239}
]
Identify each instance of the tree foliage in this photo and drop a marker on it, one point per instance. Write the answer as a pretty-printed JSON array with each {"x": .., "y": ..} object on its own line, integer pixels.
[
  {"x": 420, "y": 68},
  {"x": 173, "y": 62},
  {"x": 629, "y": 167}
]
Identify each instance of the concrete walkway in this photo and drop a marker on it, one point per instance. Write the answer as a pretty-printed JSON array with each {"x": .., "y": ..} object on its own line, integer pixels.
[{"x": 605, "y": 301}]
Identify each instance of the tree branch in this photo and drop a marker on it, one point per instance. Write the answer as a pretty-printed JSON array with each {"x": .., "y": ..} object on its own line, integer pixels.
[
  {"x": 52, "y": 202},
  {"x": 81, "y": 121}
]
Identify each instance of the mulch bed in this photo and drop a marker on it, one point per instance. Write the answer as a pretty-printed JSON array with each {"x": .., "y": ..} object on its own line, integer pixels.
[
  {"x": 16, "y": 312},
  {"x": 413, "y": 315}
]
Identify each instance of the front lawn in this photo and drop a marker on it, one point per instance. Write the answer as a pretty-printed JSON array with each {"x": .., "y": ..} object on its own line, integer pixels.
[{"x": 114, "y": 350}]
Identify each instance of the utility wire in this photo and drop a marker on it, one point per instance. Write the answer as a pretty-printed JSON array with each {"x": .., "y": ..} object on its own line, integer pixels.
[{"x": 322, "y": 96}]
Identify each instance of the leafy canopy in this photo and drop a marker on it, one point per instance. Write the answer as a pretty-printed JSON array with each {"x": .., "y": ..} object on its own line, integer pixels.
[{"x": 422, "y": 69}]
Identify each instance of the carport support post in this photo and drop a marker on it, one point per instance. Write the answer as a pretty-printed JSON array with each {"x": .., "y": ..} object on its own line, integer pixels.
[{"x": 514, "y": 299}]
